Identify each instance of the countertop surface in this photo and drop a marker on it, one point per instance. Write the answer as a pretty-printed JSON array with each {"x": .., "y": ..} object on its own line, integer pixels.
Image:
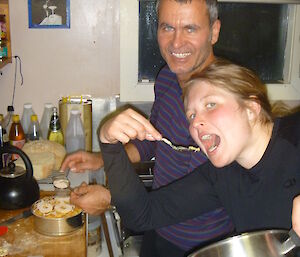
[{"x": 22, "y": 240}]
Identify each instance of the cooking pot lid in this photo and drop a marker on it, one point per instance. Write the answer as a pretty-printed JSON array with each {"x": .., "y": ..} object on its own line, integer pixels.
[{"x": 8, "y": 172}]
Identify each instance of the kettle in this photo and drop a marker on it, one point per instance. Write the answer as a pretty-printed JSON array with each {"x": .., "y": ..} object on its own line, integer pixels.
[{"x": 18, "y": 188}]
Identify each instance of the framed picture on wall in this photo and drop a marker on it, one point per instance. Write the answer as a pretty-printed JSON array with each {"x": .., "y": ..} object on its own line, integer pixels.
[{"x": 49, "y": 13}]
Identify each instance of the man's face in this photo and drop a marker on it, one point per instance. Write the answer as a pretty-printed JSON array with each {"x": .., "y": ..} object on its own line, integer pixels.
[{"x": 184, "y": 35}]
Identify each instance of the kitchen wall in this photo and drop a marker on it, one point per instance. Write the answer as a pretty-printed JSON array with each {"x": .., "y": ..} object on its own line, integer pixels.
[{"x": 60, "y": 62}]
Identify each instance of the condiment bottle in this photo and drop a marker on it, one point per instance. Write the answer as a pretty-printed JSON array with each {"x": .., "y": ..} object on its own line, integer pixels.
[
  {"x": 8, "y": 118},
  {"x": 16, "y": 134},
  {"x": 34, "y": 129},
  {"x": 45, "y": 121},
  {"x": 55, "y": 134},
  {"x": 26, "y": 116},
  {"x": 4, "y": 141}
]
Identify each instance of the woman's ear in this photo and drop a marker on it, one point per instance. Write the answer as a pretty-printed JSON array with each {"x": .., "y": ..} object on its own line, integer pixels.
[{"x": 253, "y": 110}]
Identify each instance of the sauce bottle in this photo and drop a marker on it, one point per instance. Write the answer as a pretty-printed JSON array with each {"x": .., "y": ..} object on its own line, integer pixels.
[
  {"x": 55, "y": 134},
  {"x": 34, "y": 129},
  {"x": 16, "y": 134}
]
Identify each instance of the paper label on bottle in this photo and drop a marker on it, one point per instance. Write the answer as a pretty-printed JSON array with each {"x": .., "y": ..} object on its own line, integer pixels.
[{"x": 19, "y": 144}]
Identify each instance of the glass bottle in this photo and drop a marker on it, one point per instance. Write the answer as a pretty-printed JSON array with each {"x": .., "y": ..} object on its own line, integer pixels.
[
  {"x": 55, "y": 134},
  {"x": 4, "y": 141},
  {"x": 45, "y": 121},
  {"x": 16, "y": 134},
  {"x": 34, "y": 128},
  {"x": 26, "y": 116},
  {"x": 8, "y": 118},
  {"x": 3, "y": 133}
]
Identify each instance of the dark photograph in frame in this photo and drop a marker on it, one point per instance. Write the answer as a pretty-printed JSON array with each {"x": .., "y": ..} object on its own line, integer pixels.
[{"x": 49, "y": 13}]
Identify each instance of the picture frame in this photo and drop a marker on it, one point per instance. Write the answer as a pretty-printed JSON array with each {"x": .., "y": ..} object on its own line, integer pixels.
[{"x": 46, "y": 14}]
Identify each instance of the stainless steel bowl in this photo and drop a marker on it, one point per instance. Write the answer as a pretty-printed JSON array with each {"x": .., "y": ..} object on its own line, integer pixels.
[
  {"x": 58, "y": 226},
  {"x": 269, "y": 243}
]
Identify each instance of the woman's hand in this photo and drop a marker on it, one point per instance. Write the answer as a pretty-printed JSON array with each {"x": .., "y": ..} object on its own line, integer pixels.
[
  {"x": 81, "y": 161},
  {"x": 128, "y": 125},
  {"x": 93, "y": 199}
]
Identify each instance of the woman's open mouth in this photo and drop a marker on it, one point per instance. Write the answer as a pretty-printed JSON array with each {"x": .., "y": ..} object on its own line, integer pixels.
[{"x": 210, "y": 142}]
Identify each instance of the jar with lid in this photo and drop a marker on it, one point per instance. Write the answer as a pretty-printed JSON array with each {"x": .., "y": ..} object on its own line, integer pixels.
[
  {"x": 16, "y": 134},
  {"x": 55, "y": 134},
  {"x": 34, "y": 129},
  {"x": 26, "y": 117},
  {"x": 45, "y": 121}
]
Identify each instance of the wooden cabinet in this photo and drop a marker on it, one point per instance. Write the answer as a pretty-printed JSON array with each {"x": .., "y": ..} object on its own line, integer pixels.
[{"x": 4, "y": 10}]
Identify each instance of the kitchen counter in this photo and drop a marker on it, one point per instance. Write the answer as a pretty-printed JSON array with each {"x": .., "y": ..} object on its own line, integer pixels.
[{"x": 22, "y": 240}]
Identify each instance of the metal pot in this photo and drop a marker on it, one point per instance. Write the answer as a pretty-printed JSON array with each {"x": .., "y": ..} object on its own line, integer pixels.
[
  {"x": 57, "y": 226},
  {"x": 269, "y": 243}
]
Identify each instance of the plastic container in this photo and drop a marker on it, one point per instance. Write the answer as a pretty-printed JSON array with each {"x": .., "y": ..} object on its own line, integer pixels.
[
  {"x": 55, "y": 134},
  {"x": 34, "y": 129},
  {"x": 8, "y": 118},
  {"x": 75, "y": 137},
  {"x": 16, "y": 134},
  {"x": 75, "y": 140},
  {"x": 45, "y": 121},
  {"x": 26, "y": 117}
]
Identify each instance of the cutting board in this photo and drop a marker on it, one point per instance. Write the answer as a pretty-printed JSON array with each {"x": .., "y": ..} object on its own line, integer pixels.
[{"x": 22, "y": 240}]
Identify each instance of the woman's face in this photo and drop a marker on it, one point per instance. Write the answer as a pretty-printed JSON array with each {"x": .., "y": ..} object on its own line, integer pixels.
[{"x": 218, "y": 124}]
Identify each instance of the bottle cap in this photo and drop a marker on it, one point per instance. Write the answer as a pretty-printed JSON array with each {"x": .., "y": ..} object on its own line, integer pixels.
[
  {"x": 33, "y": 117},
  {"x": 10, "y": 108},
  {"x": 15, "y": 118},
  {"x": 27, "y": 105},
  {"x": 48, "y": 105}
]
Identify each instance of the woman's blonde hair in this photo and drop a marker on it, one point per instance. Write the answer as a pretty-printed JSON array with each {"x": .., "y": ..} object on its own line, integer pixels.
[{"x": 238, "y": 80}]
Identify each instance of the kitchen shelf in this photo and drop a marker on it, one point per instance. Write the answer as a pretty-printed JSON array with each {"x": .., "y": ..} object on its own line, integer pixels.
[{"x": 4, "y": 9}]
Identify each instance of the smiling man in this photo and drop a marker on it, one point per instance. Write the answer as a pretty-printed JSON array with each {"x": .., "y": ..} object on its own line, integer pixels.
[{"x": 187, "y": 31}]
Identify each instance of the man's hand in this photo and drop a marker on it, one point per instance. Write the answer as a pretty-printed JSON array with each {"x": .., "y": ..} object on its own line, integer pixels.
[
  {"x": 296, "y": 215},
  {"x": 128, "y": 125},
  {"x": 93, "y": 199},
  {"x": 81, "y": 161}
]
